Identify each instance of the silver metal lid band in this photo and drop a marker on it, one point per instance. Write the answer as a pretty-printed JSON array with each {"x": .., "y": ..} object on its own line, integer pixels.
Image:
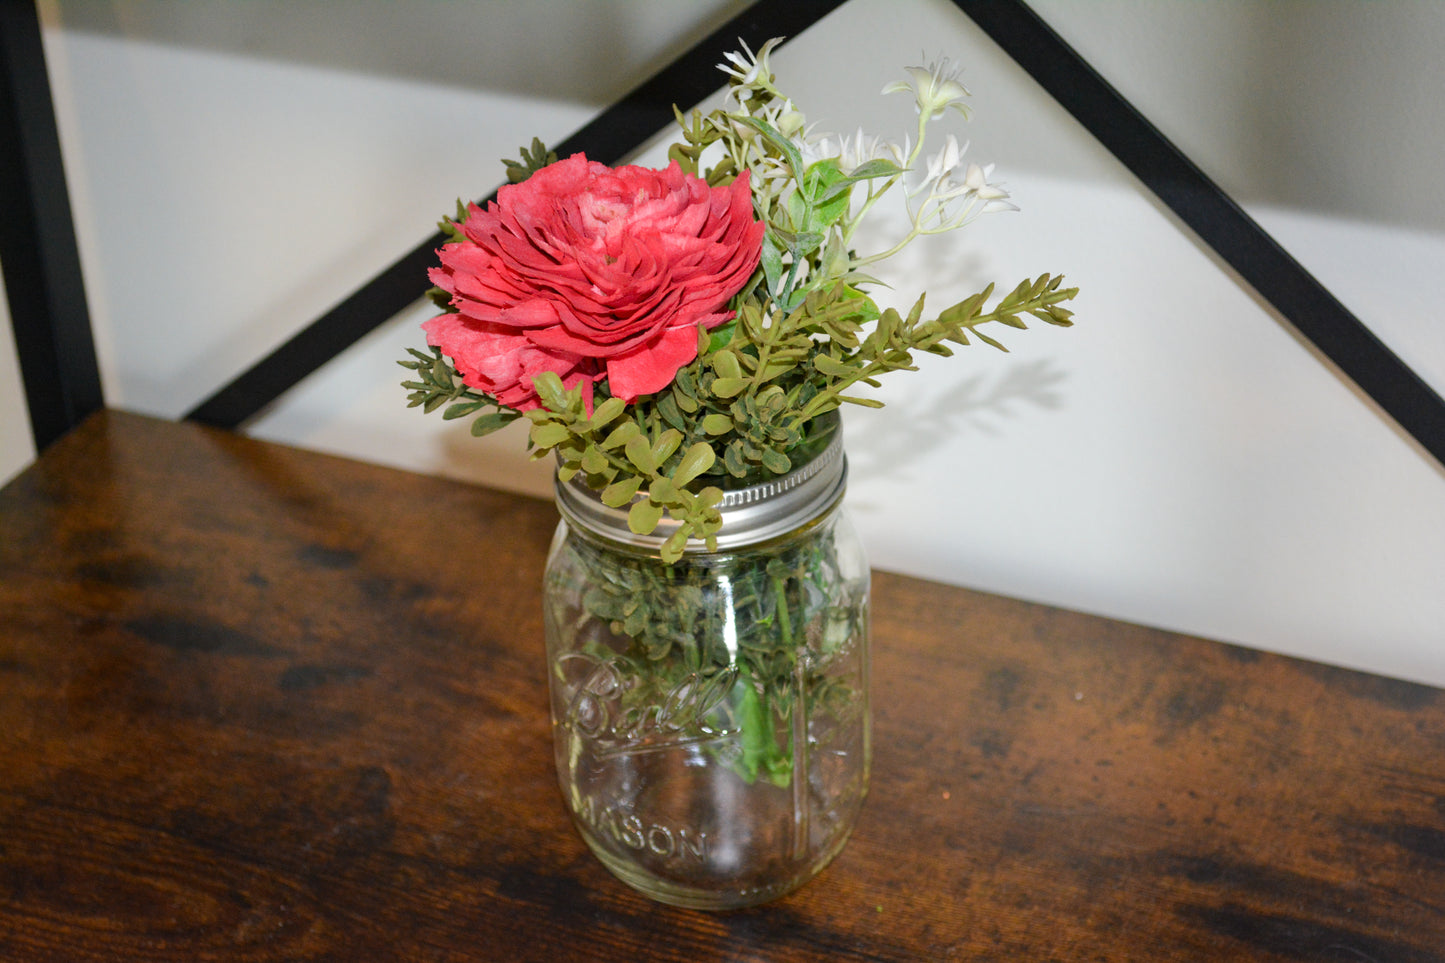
[{"x": 751, "y": 514}]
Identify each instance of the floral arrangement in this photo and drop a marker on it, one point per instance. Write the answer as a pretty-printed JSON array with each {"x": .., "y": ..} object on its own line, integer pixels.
[{"x": 669, "y": 332}]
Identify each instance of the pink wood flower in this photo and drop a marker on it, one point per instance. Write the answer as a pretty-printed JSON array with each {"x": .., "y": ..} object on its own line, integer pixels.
[{"x": 593, "y": 273}]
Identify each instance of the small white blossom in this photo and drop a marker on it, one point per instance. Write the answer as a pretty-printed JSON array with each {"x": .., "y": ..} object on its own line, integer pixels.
[
  {"x": 946, "y": 161},
  {"x": 976, "y": 180},
  {"x": 749, "y": 72},
  {"x": 861, "y": 148},
  {"x": 896, "y": 152},
  {"x": 853, "y": 152},
  {"x": 816, "y": 149},
  {"x": 773, "y": 169},
  {"x": 950, "y": 194},
  {"x": 935, "y": 89},
  {"x": 784, "y": 117},
  {"x": 744, "y": 66}
]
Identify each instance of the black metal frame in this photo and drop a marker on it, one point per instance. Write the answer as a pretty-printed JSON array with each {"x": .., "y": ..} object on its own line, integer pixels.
[
  {"x": 1199, "y": 203},
  {"x": 608, "y": 137},
  {"x": 48, "y": 312},
  {"x": 1216, "y": 219}
]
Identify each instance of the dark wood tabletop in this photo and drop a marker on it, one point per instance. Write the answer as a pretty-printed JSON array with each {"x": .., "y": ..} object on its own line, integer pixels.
[{"x": 264, "y": 704}]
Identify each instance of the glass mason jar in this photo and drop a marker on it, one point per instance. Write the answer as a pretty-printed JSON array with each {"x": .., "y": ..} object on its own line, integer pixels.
[{"x": 711, "y": 717}]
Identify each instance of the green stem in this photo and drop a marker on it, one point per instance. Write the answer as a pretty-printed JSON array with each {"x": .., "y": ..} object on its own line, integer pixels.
[
  {"x": 829, "y": 395},
  {"x": 785, "y": 621},
  {"x": 856, "y": 220}
]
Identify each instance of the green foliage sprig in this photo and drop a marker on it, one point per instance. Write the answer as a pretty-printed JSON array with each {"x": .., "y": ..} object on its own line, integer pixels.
[
  {"x": 805, "y": 338},
  {"x": 438, "y": 383}
]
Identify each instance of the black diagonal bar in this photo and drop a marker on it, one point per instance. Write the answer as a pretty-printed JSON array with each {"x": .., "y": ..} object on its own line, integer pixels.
[
  {"x": 1215, "y": 218},
  {"x": 38, "y": 252},
  {"x": 608, "y": 137}
]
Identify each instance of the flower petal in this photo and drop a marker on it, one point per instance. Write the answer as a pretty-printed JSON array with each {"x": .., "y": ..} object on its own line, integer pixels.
[{"x": 651, "y": 368}]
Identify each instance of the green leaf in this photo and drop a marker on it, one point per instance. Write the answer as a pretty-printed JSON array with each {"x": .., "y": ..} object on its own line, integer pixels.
[
  {"x": 696, "y": 460},
  {"x": 733, "y": 460},
  {"x": 621, "y": 435},
  {"x": 801, "y": 243},
  {"x": 771, "y": 399},
  {"x": 667, "y": 409},
  {"x": 606, "y": 412},
  {"x": 726, "y": 364},
  {"x": 594, "y": 462},
  {"x": 716, "y": 424},
  {"x": 619, "y": 493},
  {"x": 965, "y": 310},
  {"x": 794, "y": 299},
  {"x": 672, "y": 549},
  {"x": 778, "y": 364},
  {"x": 817, "y": 181},
  {"x": 549, "y": 434},
  {"x": 776, "y": 462},
  {"x": 729, "y": 387},
  {"x": 549, "y": 388},
  {"x": 777, "y": 141},
  {"x": 666, "y": 444},
  {"x": 488, "y": 423},
  {"x": 863, "y": 172},
  {"x": 635, "y": 622},
  {"x": 721, "y": 335},
  {"x": 639, "y": 452},
  {"x": 453, "y": 231},
  {"x": 865, "y": 402},
  {"x": 532, "y": 161},
  {"x": 772, "y": 262},
  {"x": 643, "y": 517},
  {"x": 461, "y": 409},
  {"x": 832, "y": 367},
  {"x": 684, "y": 384}
]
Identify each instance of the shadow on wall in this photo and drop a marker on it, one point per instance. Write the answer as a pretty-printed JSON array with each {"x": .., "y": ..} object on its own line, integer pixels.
[
  {"x": 980, "y": 404},
  {"x": 610, "y": 45}
]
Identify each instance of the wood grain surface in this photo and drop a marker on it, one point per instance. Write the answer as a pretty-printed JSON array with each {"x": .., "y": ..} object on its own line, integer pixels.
[{"x": 264, "y": 704}]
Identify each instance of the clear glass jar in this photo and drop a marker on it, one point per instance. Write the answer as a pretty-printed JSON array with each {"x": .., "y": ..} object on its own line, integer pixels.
[{"x": 711, "y": 717}]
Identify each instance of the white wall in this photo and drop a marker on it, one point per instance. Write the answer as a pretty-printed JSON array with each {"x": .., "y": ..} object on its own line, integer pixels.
[{"x": 1178, "y": 459}]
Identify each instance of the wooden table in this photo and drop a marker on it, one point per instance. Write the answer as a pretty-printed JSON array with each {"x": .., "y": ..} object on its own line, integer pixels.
[{"x": 264, "y": 704}]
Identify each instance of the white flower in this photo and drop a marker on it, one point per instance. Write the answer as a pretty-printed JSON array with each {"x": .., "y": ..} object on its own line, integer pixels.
[
  {"x": 861, "y": 148},
  {"x": 950, "y": 194},
  {"x": 896, "y": 152},
  {"x": 787, "y": 119},
  {"x": 996, "y": 198},
  {"x": 943, "y": 163},
  {"x": 816, "y": 149},
  {"x": 749, "y": 70},
  {"x": 853, "y": 152},
  {"x": 772, "y": 169},
  {"x": 935, "y": 89}
]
